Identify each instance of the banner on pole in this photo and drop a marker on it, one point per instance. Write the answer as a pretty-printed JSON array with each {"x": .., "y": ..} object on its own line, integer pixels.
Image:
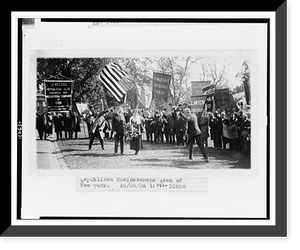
[
  {"x": 160, "y": 87},
  {"x": 209, "y": 102},
  {"x": 144, "y": 95},
  {"x": 222, "y": 98},
  {"x": 58, "y": 94},
  {"x": 197, "y": 103},
  {"x": 81, "y": 107},
  {"x": 98, "y": 104}
]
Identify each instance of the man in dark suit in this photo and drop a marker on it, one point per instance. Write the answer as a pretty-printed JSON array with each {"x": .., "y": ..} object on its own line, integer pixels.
[
  {"x": 41, "y": 125},
  {"x": 180, "y": 129},
  {"x": 194, "y": 133},
  {"x": 149, "y": 121},
  {"x": 158, "y": 125},
  {"x": 118, "y": 122}
]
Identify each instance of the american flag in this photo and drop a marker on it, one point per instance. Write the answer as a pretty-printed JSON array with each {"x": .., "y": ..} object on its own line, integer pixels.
[{"x": 116, "y": 80}]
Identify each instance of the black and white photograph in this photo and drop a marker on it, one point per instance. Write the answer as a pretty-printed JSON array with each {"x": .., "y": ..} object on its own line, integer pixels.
[
  {"x": 146, "y": 122},
  {"x": 190, "y": 112}
]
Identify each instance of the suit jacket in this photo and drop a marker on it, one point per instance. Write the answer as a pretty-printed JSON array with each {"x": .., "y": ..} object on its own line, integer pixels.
[
  {"x": 180, "y": 126},
  {"x": 57, "y": 124},
  {"x": 193, "y": 128},
  {"x": 149, "y": 125},
  {"x": 203, "y": 125},
  {"x": 40, "y": 125},
  {"x": 118, "y": 122},
  {"x": 158, "y": 123},
  {"x": 169, "y": 124}
]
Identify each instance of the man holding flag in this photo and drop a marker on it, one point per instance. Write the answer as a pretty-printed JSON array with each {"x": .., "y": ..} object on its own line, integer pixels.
[
  {"x": 96, "y": 128},
  {"x": 117, "y": 82}
]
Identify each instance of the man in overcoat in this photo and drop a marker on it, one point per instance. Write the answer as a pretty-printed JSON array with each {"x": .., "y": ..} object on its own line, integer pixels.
[
  {"x": 158, "y": 126},
  {"x": 169, "y": 127},
  {"x": 149, "y": 121},
  {"x": 180, "y": 129},
  {"x": 194, "y": 133},
  {"x": 41, "y": 121},
  {"x": 118, "y": 122}
]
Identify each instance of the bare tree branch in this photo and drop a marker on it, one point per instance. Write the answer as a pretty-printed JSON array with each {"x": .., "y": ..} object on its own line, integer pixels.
[{"x": 220, "y": 76}]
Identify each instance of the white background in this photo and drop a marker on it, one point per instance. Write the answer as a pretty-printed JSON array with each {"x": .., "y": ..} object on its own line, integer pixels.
[{"x": 231, "y": 193}]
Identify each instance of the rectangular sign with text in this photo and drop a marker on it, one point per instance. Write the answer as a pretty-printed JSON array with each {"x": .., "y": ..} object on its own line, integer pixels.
[
  {"x": 55, "y": 88},
  {"x": 161, "y": 85},
  {"x": 58, "y": 94}
]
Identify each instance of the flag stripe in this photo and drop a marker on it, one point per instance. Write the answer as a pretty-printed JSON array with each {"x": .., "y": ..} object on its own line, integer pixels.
[
  {"x": 109, "y": 69},
  {"x": 107, "y": 84},
  {"x": 113, "y": 81},
  {"x": 129, "y": 81},
  {"x": 102, "y": 78},
  {"x": 116, "y": 95},
  {"x": 126, "y": 83},
  {"x": 118, "y": 67},
  {"x": 117, "y": 71},
  {"x": 115, "y": 78}
]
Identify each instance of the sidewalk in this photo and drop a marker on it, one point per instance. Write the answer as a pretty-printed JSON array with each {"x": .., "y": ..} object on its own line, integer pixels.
[{"x": 49, "y": 155}]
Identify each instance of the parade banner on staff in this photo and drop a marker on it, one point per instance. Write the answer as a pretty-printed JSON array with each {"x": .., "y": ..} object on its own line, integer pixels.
[
  {"x": 222, "y": 98},
  {"x": 98, "y": 104},
  {"x": 81, "y": 107},
  {"x": 160, "y": 87},
  {"x": 58, "y": 94},
  {"x": 197, "y": 103},
  {"x": 209, "y": 102}
]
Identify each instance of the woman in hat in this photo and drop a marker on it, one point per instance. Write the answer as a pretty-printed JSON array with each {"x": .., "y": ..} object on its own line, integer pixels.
[{"x": 136, "y": 123}]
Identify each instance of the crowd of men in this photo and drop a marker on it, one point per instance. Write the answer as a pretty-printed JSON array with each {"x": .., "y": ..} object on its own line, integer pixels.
[
  {"x": 176, "y": 125},
  {"x": 228, "y": 131},
  {"x": 67, "y": 122}
]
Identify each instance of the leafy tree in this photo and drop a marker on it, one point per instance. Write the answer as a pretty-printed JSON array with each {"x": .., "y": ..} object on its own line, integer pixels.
[
  {"x": 140, "y": 68},
  {"x": 87, "y": 86},
  {"x": 84, "y": 72}
]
